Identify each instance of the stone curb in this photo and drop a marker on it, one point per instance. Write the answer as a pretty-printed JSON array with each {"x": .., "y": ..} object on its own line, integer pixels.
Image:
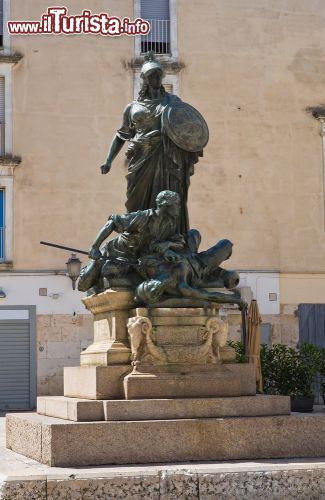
[{"x": 188, "y": 483}]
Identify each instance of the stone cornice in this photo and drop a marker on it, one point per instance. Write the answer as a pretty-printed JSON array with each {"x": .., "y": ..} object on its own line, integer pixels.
[
  {"x": 8, "y": 164},
  {"x": 110, "y": 300},
  {"x": 6, "y": 266},
  {"x": 318, "y": 112},
  {"x": 169, "y": 65},
  {"x": 10, "y": 161}
]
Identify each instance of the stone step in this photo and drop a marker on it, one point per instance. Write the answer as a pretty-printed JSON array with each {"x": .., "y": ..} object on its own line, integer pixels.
[
  {"x": 74, "y": 409},
  {"x": 63, "y": 443},
  {"x": 82, "y": 410},
  {"x": 186, "y": 380},
  {"x": 95, "y": 382},
  {"x": 196, "y": 381}
]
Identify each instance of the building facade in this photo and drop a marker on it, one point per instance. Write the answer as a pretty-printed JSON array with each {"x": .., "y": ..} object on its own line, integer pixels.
[{"x": 254, "y": 69}]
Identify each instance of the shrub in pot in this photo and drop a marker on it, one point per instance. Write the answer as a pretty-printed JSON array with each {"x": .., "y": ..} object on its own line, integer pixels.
[
  {"x": 288, "y": 372},
  {"x": 291, "y": 372}
]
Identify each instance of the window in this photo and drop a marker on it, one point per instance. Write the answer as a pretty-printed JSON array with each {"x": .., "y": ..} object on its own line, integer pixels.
[
  {"x": 2, "y": 224},
  {"x": 1, "y": 23},
  {"x": 157, "y": 13}
]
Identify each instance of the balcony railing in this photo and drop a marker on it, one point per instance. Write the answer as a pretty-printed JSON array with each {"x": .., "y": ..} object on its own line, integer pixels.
[
  {"x": 158, "y": 39},
  {"x": 2, "y": 243}
]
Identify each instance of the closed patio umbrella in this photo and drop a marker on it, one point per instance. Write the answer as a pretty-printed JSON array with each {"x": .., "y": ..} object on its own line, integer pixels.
[{"x": 253, "y": 341}]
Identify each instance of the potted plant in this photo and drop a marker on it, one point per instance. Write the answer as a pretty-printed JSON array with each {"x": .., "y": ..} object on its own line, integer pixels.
[
  {"x": 288, "y": 372},
  {"x": 291, "y": 372}
]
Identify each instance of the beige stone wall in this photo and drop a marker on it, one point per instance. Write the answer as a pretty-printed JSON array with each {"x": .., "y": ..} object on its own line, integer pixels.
[
  {"x": 69, "y": 94},
  {"x": 60, "y": 339},
  {"x": 302, "y": 289},
  {"x": 251, "y": 68},
  {"x": 284, "y": 327}
]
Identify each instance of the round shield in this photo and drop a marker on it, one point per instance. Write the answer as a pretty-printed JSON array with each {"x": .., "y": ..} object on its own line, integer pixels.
[{"x": 185, "y": 126}]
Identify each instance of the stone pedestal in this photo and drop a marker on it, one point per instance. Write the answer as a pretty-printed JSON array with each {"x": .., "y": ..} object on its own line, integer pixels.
[
  {"x": 105, "y": 363},
  {"x": 95, "y": 382},
  {"x": 158, "y": 385},
  {"x": 111, "y": 312},
  {"x": 82, "y": 410},
  {"x": 63, "y": 443},
  {"x": 182, "y": 353},
  {"x": 191, "y": 382}
]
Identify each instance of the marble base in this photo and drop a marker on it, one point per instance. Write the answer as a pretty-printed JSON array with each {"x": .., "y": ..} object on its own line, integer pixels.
[
  {"x": 82, "y": 410},
  {"x": 110, "y": 311},
  {"x": 191, "y": 381},
  {"x": 63, "y": 443},
  {"x": 95, "y": 382}
]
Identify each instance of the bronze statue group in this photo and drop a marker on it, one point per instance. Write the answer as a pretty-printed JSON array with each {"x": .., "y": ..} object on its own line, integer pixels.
[{"x": 155, "y": 252}]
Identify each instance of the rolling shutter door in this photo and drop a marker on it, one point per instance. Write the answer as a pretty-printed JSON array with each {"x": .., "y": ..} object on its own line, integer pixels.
[{"x": 15, "y": 365}]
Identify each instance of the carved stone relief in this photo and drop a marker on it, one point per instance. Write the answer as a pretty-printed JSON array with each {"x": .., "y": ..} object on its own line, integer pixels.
[{"x": 145, "y": 351}]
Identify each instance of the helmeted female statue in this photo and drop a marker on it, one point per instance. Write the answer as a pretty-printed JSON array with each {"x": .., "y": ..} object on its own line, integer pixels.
[{"x": 166, "y": 137}]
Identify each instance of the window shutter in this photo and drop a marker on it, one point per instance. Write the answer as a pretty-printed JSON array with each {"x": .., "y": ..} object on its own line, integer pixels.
[
  {"x": 1, "y": 18},
  {"x": 158, "y": 40},
  {"x": 155, "y": 9},
  {"x": 2, "y": 115}
]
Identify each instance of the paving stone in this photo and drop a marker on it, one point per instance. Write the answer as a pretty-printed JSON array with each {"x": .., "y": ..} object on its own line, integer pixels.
[
  {"x": 23, "y": 489},
  {"x": 126, "y": 488}
]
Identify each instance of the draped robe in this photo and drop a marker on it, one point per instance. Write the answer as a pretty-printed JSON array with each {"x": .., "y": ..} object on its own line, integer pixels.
[{"x": 155, "y": 163}]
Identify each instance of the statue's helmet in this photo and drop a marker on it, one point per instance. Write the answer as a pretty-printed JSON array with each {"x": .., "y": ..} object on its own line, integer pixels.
[
  {"x": 165, "y": 198},
  {"x": 150, "y": 65}
]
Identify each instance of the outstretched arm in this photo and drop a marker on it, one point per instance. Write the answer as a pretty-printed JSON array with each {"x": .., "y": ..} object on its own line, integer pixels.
[
  {"x": 219, "y": 297},
  {"x": 114, "y": 149},
  {"x": 125, "y": 132},
  {"x": 101, "y": 236}
]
